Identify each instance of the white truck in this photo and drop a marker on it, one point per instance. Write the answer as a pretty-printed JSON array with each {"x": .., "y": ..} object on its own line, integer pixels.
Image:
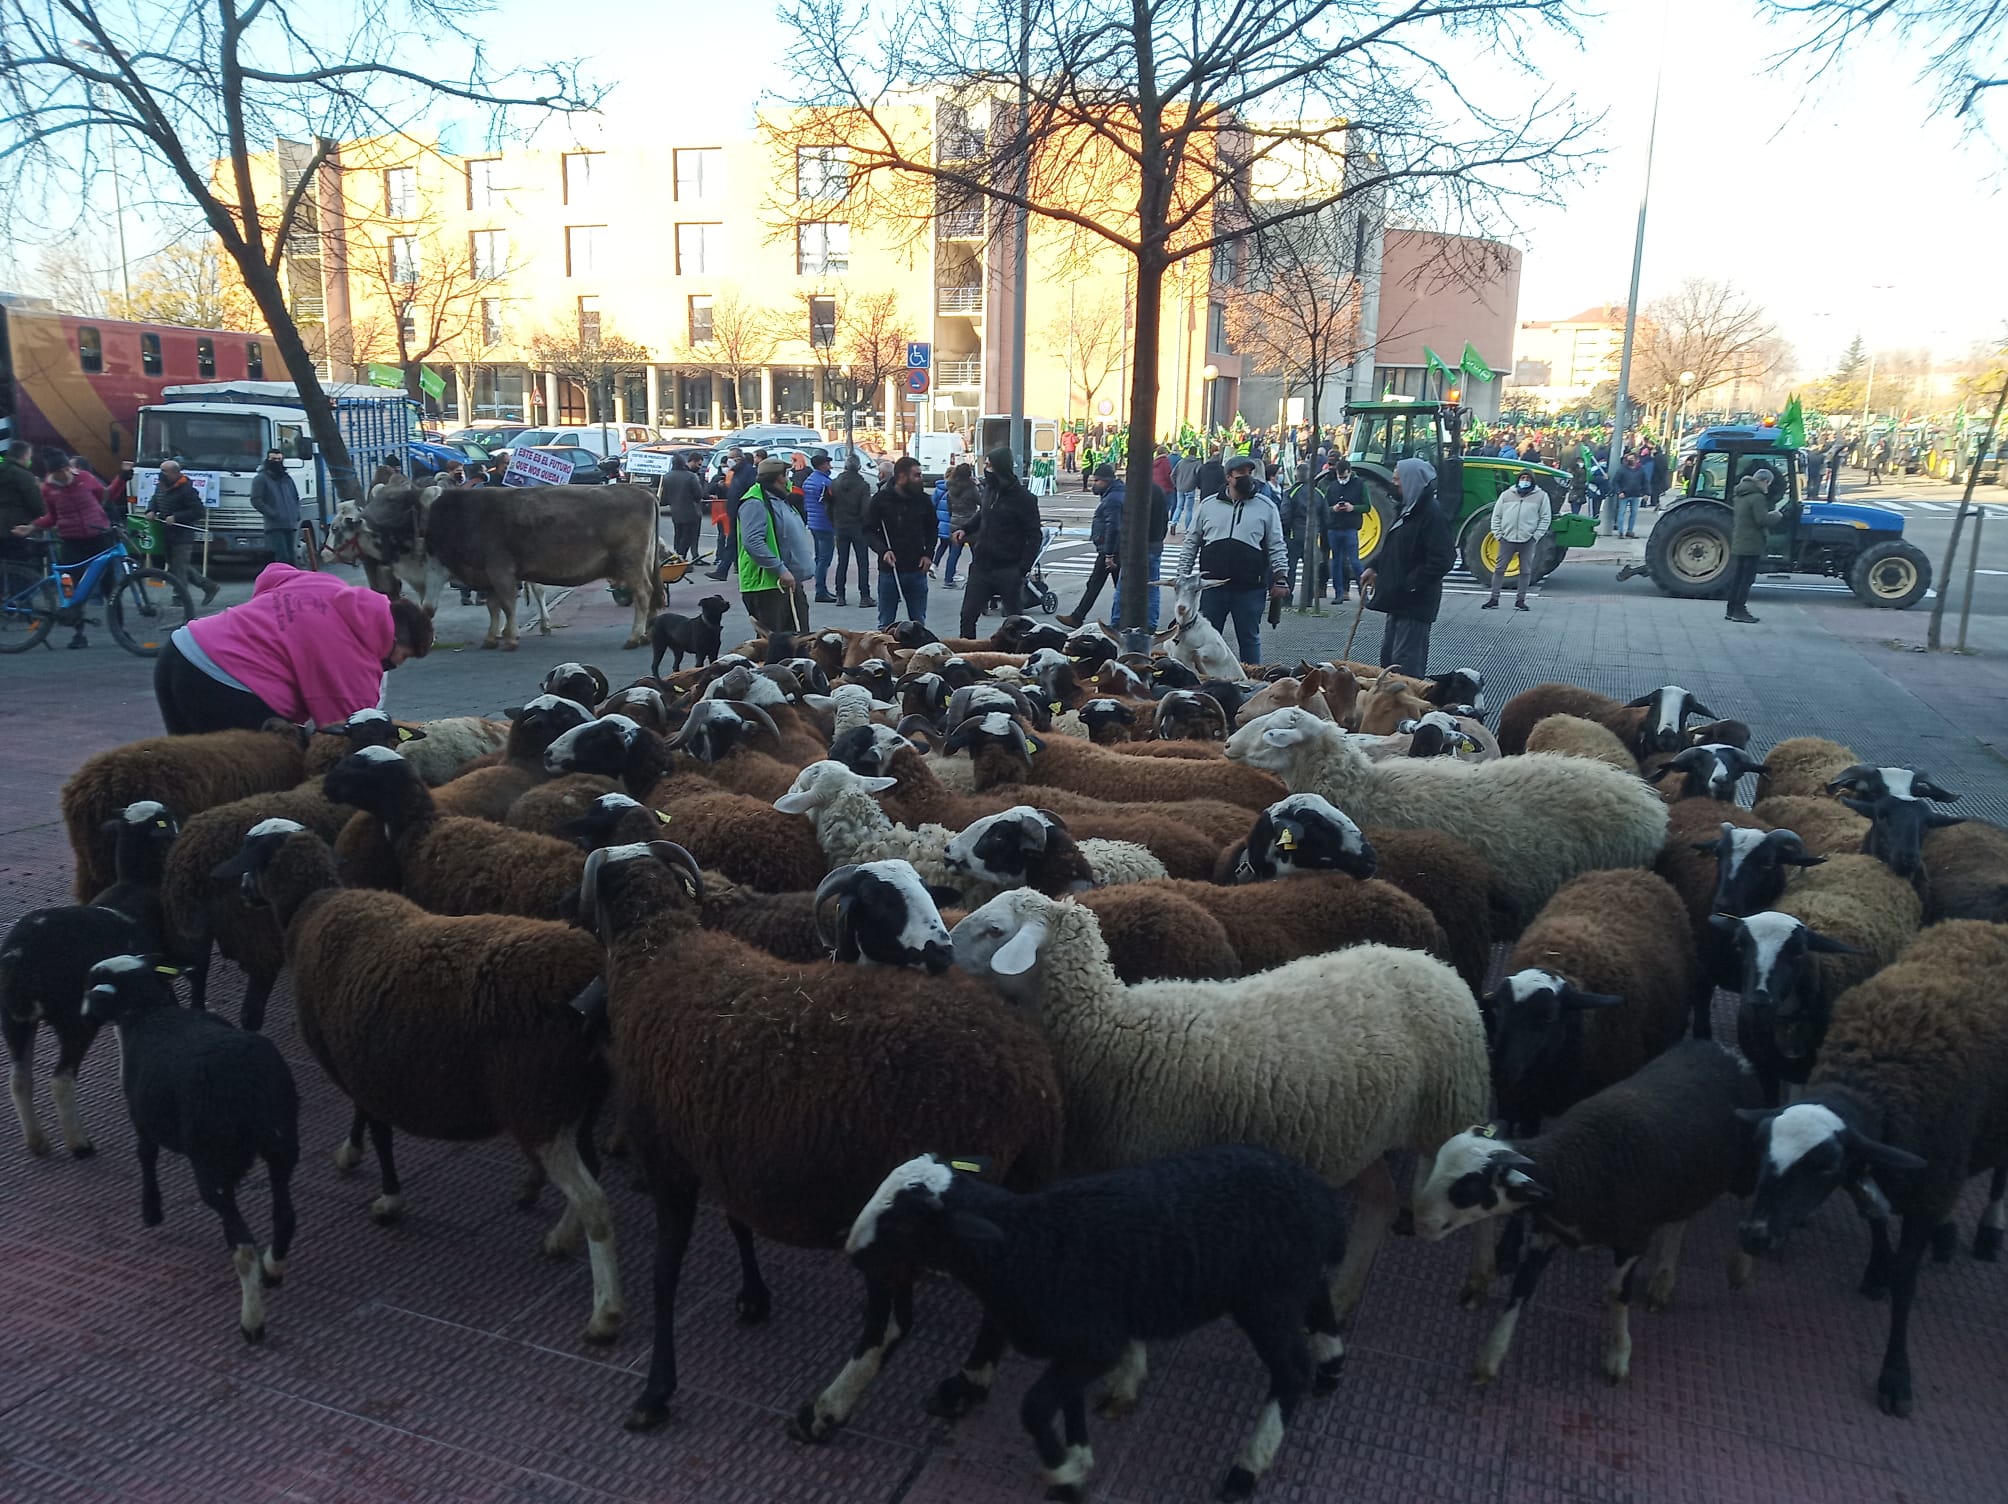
[{"x": 220, "y": 432}]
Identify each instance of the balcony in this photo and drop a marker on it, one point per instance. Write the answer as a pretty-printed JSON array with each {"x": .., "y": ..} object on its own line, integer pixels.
[
  {"x": 960, "y": 224},
  {"x": 959, "y": 370},
  {"x": 965, "y": 302},
  {"x": 961, "y": 146}
]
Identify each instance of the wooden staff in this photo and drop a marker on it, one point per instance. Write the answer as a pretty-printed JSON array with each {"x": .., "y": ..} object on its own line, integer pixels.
[{"x": 1358, "y": 612}]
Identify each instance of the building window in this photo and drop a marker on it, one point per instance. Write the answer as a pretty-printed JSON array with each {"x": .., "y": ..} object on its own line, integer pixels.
[
  {"x": 1216, "y": 327},
  {"x": 700, "y": 319},
  {"x": 579, "y": 167},
  {"x": 822, "y": 174},
  {"x": 149, "y": 354},
  {"x": 90, "y": 350},
  {"x": 490, "y": 253},
  {"x": 589, "y": 321},
  {"x": 700, "y": 173},
  {"x": 822, "y": 322},
  {"x": 400, "y": 192},
  {"x": 205, "y": 359},
  {"x": 407, "y": 326},
  {"x": 482, "y": 191},
  {"x": 254, "y": 360},
  {"x": 822, "y": 249},
  {"x": 404, "y": 259},
  {"x": 582, "y": 249},
  {"x": 697, "y": 249},
  {"x": 491, "y": 321}
]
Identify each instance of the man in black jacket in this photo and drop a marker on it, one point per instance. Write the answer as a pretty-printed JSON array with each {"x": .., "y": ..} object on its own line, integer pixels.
[
  {"x": 1406, "y": 581},
  {"x": 1003, "y": 540},
  {"x": 680, "y": 493},
  {"x": 178, "y": 504},
  {"x": 900, "y": 528},
  {"x": 1213, "y": 475}
]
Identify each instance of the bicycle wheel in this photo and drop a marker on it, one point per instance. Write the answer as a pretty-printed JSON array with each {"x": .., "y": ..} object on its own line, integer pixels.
[
  {"x": 27, "y": 607},
  {"x": 146, "y": 606}
]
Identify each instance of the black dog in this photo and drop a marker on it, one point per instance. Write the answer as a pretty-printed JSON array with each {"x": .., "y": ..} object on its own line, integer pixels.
[{"x": 675, "y": 633}]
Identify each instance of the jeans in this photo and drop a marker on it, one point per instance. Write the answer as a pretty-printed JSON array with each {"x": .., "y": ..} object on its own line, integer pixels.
[
  {"x": 1245, "y": 603},
  {"x": 728, "y": 549},
  {"x": 826, "y": 548},
  {"x": 279, "y": 543},
  {"x": 1183, "y": 505},
  {"x": 1005, "y": 581},
  {"x": 895, "y": 585},
  {"x": 1405, "y": 644},
  {"x": 1742, "y": 575},
  {"x": 1344, "y": 545},
  {"x": 1624, "y": 514},
  {"x": 1508, "y": 552},
  {"x": 948, "y": 548},
  {"x": 851, "y": 541},
  {"x": 1116, "y": 606}
]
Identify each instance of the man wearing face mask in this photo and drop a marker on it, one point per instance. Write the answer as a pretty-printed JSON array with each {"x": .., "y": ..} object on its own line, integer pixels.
[
  {"x": 276, "y": 498},
  {"x": 1406, "y": 582},
  {"x": 1236, "y": 542},
  {"x": 1520, "y": 520}
]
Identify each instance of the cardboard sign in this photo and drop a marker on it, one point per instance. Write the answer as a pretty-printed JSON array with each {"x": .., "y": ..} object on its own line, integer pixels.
[
  {"x": 208, "y": 485},
  {"x": 537, "y": 467}
]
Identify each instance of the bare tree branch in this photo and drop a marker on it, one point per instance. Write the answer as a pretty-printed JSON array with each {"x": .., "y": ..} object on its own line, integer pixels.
[{"x": 1963, "y": 44}]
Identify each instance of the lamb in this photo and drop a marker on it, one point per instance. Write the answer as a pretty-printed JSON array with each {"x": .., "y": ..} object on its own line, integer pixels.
[
  {"x": 1909, "y": 1097},
  {"x": 188, "y": 774},
  {"x": 1827, "y": 826},
  {"x": 1851, "y": 913},
  {"x": 456, "y": 1028},
  {"x": 1804, "y": 765},
  {"x": 1509, "y": 811},
  {"x": 1087, "y": 769},
  {"x": 1304, "y": 834},
  {"x": 1178, "y": 1242},
  {"x": 732, "y": 1065},
  {"x": 1604, "y": 979},
  {"x": 449, "y": 863},
  {"x": 1577, "y": 736},
  {"x": 1624, "y": 1170},
  {"x": 1710, "y": 770},
  {"x": 221, "y": 1096},
  {"x": 1651, "y": 723},
  {"x": 45, "y": 964},
  {"x": 1277, "y": 1059}
]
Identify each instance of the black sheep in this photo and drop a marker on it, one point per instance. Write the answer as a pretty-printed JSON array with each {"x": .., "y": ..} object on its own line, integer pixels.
[
  {"x": 1083, "y": 1273},
  {"x": 219, "y": 1095},
  {"x": 44, "y": 962}
]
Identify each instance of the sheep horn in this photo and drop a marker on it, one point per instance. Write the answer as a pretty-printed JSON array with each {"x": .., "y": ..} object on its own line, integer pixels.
[
  {"x": 753, "y": 711},
  {"x": 1859, "y": 776},
  {"x": 589, "y": 887},
  {"x": 693, "y": 719},
  {"x": 918, "y": 722},
  {"x": 824, "y": 889},
  {"x": 678, "y": 859},
  {"x": 963, "y": 734},
  {"x": 1695, "y": 707}
]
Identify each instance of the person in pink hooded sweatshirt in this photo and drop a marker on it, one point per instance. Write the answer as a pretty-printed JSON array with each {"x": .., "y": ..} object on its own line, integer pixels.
[{"x": 305, "y": 648}]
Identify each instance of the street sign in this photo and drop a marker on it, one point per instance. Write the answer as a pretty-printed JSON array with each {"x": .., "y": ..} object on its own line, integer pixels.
[
  {"x": 917, "y": 381},
  {"x": 537, "y": 467},
  {"x": 919, "y": 356}
]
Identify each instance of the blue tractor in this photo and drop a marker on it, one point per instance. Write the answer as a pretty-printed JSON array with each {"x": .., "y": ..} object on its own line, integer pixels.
[{"x": 1688, "y": 552}]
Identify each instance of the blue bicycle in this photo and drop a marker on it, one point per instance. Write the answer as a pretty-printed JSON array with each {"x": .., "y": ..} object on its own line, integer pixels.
[{"x": 142, "y": 606}]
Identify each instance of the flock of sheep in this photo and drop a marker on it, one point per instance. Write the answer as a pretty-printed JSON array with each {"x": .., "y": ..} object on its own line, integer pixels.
[{"x": 1078, "y": 976}]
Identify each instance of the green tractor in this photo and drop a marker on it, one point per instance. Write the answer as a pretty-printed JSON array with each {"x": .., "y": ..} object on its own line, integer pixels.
[{"x": 1387, "y": 432}]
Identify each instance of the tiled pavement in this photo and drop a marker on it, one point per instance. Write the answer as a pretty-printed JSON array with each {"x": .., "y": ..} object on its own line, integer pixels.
[{"x": 440, "y": 1360}]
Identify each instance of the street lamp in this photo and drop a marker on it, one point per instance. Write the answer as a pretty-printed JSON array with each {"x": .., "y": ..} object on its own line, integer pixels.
[
  {"x": 1208, "y": 374},
  {"x": 1686, "y": 381},
  {"x": 118, "y": 193}
]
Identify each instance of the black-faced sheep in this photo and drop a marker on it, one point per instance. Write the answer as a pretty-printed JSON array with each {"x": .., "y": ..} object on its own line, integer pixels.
[
  {"x": 456, "y": 1028},
  {"x": 1908, "y": 1099},
  {"x": 1623, "y": 1170},
  {"x": 221, "y": 1096},
  {"x": 577, "y": 681},
  {"x": 1176, "y": 1243},
  {"x": 1709, "y": 771},
  {"x": 44, "y": 965},
  {"x": 1893, "y": 801},
  {"x": 784, "y": 1091},
  {"x": 1511, "y": 811},
  {"x": 449, "y": 863},
  {"x": 1651, "y": 723},
  {"x": 186, "y": 773},
  {"x": 1274, "y": 1059}
]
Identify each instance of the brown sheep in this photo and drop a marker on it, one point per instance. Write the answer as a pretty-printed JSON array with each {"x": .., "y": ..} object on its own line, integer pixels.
[
  {"x": 188, "y": 774},
  {"x": 1966, "y": 873},
  {"x": 1578, "y": 736},
  {"x": 1651, "y": 723},
  {"x": 549, "y": 805},
  {"x": 1689, "y": 861},
  {"x": 1004, "y": 752},
  {"x": 1827, "y": 826},
  {"x": 1804, "y": 765}
]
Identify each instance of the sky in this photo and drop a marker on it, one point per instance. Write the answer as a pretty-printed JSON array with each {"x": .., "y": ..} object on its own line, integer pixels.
[{"x": 1836, "y": 203}]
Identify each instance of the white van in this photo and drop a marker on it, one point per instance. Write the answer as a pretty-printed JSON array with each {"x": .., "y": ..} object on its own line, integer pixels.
[
  {"x": 938, "y": 454},
  {"x": 598, "y": 439}
]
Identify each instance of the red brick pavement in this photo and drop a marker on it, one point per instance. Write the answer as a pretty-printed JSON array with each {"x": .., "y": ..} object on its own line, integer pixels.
[{"x": 440, "y": 1360}]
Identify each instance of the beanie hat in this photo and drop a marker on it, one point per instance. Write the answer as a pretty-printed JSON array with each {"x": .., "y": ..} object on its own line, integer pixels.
[
  {"x": 769, "y": 469},
  {"x": 1105, "y": 472},
  {"x": 1002, "y": 462}
]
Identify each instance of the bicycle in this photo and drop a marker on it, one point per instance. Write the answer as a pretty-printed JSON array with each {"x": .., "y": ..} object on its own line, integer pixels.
[{"x": 143, "y": 606}]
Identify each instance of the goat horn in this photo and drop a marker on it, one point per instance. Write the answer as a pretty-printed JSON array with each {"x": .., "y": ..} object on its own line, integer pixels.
[{"x": 824, "y": 889}]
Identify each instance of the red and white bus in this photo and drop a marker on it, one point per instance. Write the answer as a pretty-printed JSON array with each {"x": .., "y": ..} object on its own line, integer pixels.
[{"x": 77, "y": 384}]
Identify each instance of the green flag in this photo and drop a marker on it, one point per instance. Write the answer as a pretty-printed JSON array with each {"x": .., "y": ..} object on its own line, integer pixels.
[
  {"x": 1792, "y": 424},
  {"x": 1474, "y": 365},
  {"x": 432, "y": 384},
  {"x": 383, "y": 375},
  {"x": 1434, "y": 362}
]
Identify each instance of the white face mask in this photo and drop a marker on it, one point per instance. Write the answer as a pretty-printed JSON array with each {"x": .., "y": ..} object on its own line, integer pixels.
[{"x": 1524, "y": 487}]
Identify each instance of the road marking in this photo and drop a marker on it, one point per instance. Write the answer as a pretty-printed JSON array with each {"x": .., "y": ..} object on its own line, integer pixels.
[
  {"x": 1922, "y": 506},
  {"x": 1991, "y": 571}
]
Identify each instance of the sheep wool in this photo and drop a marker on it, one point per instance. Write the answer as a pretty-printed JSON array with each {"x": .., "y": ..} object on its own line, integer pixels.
[
  {"x": 1574, "y": 736},
  {"x": 1804, "y": 765},
  {"x": 1827, "y": 826}
]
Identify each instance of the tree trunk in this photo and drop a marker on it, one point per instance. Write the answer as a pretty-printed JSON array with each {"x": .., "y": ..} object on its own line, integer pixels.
[
  {"x": 263, "y": 285},
  {"x": 1132, "y": 587}
]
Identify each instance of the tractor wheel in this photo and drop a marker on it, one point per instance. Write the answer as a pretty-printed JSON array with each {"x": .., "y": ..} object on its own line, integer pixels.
[
  {"x": 1478, "y": 550},
  {"x": 1687, "y": 552},
  {"x": 1373, "y": 526},
  {"x": 1890, "y": 574}
]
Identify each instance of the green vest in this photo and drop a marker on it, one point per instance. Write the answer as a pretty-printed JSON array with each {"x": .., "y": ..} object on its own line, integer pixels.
[{"x": 753, "y": 576}]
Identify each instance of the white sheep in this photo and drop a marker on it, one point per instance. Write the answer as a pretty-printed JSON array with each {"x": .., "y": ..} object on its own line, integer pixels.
[{"x": 1538, "y": 819}]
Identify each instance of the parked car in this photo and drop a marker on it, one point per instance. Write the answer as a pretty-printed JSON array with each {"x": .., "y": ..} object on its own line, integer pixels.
[
  {"x": 782, "y": 448},
  {"x": 487, "y": 437},
  {"x": 598, "y": 439}
]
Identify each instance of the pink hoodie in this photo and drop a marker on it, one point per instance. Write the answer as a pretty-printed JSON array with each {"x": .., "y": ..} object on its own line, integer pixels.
[{"x": 306, "y": 644}]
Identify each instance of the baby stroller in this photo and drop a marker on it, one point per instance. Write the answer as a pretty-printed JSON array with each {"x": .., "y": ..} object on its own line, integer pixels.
[{"x": 1037, "y": 591}]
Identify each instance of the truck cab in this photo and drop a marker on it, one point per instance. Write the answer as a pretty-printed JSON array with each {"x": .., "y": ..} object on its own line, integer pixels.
[{"x": 1688, "y": 552}]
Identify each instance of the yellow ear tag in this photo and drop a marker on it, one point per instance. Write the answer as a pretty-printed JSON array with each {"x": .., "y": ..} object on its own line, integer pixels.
[
  {"x": 676, "y": 689},
  {"x": 168, "y": 971},
  {"x": 404, "y": 733},
  {"x": 660, "y": 816},
  {"x": 967, "y": 1167},
  {"x": 1056, "y": 707},
  {"x": 1286, "y": 840},
  {"x": 1486, "y": 1130}
]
